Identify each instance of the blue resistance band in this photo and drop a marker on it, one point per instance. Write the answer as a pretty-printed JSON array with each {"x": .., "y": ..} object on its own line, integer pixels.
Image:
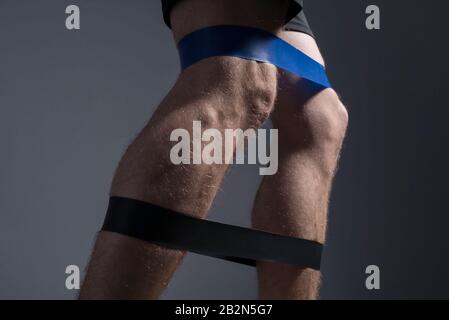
[{"x": 251, "y": 44}]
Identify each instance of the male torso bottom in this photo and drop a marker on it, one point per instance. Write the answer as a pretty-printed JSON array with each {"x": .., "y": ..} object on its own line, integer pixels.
[{"x": 228, "y": 92}]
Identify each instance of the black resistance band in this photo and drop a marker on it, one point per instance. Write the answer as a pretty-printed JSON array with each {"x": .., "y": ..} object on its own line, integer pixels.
[{"x": 174, "y": 230}]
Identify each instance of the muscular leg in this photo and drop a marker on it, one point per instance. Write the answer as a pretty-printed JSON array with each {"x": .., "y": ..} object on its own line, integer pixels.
[
  {"x": 294, "y": 202},
  {"x": 220, "y": 92}
]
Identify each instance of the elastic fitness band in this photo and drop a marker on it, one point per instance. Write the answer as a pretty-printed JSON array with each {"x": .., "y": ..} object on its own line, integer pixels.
[
  {"x": 175, "y": 230},
  {"x": 250, "y": 44},
  {"x": 168, "y": 228}
]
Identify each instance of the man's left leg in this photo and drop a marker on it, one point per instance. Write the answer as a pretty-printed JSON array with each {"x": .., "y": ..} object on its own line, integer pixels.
[{"x": 294, "y": 201}]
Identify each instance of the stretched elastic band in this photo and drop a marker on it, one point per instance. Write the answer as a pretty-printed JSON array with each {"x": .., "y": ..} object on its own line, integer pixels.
[
  {"x": 251, "y": 44},
  {"x": 171, "y": 229}
]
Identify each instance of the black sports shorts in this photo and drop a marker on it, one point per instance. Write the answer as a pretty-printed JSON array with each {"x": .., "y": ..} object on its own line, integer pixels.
[{"x": 295, "y": 21}]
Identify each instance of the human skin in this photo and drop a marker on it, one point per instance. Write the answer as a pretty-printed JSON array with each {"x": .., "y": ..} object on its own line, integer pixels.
[{"x": 226, "y": 93}]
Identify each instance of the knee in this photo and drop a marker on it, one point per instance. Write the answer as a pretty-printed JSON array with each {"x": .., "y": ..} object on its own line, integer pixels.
[
  {"x": 320, "y": 122},
  {"x": 326, "y": 120}
]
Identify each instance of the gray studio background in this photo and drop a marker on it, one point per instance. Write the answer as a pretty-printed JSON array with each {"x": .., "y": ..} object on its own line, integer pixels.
[{"x": 71, "y": 101}]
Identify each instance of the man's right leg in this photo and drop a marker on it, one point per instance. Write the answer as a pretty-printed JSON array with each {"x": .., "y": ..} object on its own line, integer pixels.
[{"x": 221, "y": 93}]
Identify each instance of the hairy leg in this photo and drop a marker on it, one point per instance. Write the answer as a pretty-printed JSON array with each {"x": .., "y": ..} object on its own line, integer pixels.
[
  {"x": 221, "y": 93},
  {"x": 294, "y": 202}
]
